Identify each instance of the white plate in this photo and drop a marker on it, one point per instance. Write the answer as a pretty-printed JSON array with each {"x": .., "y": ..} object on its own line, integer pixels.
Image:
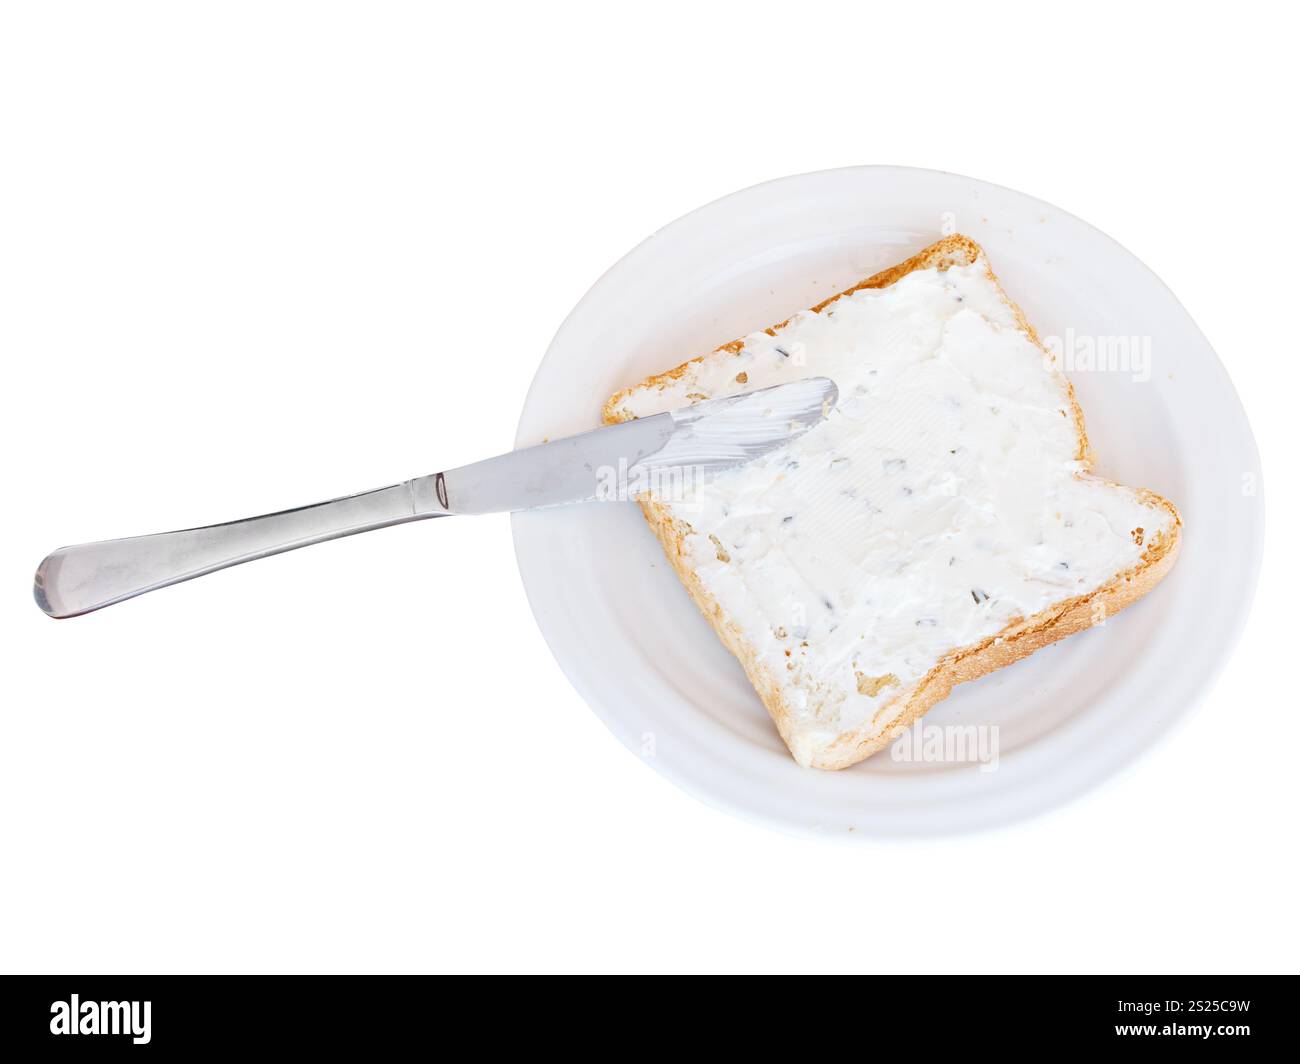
[{"x": 633, "y": 644}]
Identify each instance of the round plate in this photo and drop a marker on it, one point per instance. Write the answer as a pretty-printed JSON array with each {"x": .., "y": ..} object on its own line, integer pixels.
[{"x": 632, "y": 642}]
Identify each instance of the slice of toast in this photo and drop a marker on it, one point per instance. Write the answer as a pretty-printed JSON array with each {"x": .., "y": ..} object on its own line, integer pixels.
[{"x": 940, "y": 524}]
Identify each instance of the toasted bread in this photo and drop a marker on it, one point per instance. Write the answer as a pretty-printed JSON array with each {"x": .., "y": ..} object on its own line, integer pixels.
[{"x": 946, "y": 442}]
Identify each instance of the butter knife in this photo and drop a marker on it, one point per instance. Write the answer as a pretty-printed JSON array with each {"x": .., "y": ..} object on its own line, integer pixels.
[{"x": 648, "y": 453}]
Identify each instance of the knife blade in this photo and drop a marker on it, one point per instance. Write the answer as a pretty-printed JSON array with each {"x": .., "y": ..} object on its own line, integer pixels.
[{"x": 706, "y": 438}]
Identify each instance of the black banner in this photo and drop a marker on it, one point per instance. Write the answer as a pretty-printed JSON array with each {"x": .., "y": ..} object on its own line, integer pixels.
[{"x": 364, "y": 1015}]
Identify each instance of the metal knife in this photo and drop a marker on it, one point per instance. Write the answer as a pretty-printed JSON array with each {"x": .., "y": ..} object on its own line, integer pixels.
[{"x": 666, "y": 449}]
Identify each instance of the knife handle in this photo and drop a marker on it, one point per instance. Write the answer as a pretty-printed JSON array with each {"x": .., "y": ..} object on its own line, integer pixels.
[{"x": 78, "y": 579}]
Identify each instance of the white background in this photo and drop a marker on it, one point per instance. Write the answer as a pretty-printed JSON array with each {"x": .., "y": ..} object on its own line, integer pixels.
[{"x": 256, "y": 255}]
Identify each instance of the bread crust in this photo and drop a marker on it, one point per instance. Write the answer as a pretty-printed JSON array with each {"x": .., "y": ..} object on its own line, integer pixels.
[{"x": 1017, "y": 640}]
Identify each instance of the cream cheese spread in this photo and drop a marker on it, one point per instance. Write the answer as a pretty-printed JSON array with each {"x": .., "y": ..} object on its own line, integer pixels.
[{"x": 939, "y": 502}]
